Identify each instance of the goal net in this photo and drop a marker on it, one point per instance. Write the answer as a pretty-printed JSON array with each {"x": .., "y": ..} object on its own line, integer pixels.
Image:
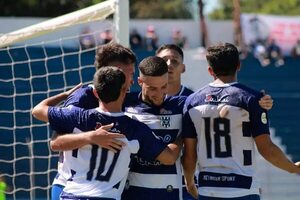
[{"x": 37, "y": 62}]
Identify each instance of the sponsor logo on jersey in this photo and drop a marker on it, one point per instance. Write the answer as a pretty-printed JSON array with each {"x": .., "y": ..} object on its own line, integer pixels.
[
  {"x": 264, "y": 119},
  {"x": 211, "y": 98},
  {"x": 166, "y": 138},
  {"x": 165, "y": 121},
  {"x": 164, "y": 111},
  {"x": 144, "y": 162}
]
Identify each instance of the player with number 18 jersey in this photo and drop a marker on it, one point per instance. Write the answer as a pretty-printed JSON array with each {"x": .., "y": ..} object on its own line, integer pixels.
[{"x": 225, "y": 119}]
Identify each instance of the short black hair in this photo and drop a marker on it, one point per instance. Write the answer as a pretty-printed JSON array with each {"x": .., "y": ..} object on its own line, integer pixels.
[
  {"x": 223, "y": 59},
  {"x": 153, "y": 66},
  {"x": 108, "y": 82},
  {"x": 111, "y": 53},
  {"x": 170, "y": 46}
]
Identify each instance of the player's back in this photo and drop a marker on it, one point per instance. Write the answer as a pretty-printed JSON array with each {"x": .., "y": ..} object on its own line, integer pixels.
[
  {"x": 94, "y": 171},
  {"x": 225, "y": 120}
]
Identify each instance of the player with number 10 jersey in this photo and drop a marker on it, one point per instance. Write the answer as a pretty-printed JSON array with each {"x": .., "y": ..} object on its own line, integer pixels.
[{"x": 94, "y": 171}]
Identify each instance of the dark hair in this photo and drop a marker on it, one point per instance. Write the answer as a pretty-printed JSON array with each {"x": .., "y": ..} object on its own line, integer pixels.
[
  {"x": 170, "y": 46},
  {"x": 112, "y": 53},
  {"x": 223, "y": 59},
  {"x": 153, "y": 66},
  {"x": 108, "y": 82}
]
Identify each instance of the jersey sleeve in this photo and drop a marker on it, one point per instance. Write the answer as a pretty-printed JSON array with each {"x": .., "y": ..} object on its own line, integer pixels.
[
  {"x": 258, "y": 117},
  {"x": 188, "y": 128},
  {"x": 83, "y": 98},
  {"x": 63, "y": 119},
  {"x": 150, "y": 145}
]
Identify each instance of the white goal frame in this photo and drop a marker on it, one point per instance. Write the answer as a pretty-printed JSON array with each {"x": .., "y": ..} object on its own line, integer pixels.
[
  {"x": 18, "y": 48},
  {"x": 100, "y": 11}
]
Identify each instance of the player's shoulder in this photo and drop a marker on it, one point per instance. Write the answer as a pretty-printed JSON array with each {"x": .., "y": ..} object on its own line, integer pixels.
[
  {"x": 186, "y": 91},
  {"x": 198, "y": 94},
  {"x": 245, "y": 90},
  {"x": 175, "y": 99}
]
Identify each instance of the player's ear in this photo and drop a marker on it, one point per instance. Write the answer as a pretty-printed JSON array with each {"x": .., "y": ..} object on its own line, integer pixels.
[
  {"x": 95, "y": 93},
  {"x": 140, "y": 82},
  {"x": 210, "y": 71},
  {"x": 183, "y": 68},
  {"x": 238, "y": 67}
]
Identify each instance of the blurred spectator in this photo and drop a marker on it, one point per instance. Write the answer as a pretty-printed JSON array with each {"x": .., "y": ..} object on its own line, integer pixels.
[
  {"x": 274, "y": 53},
  {"x": 296, "y": 49},
  {"x": 151, "y": 39},
  {"x": 135, "y": 39},
  {"x": 179, "y": 39},
  {"x": 260, "y": 52},
  {"x": 87, "y": 39},
  {"x": 106, "y": 36}
]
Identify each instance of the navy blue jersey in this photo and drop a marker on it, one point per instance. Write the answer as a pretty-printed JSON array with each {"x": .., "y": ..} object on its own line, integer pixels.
[
  {"x": 83, "y": 97},
  {"x": 92, "y": 171},
  {"x": 148, "y": 179},
  {"x": 224, "y": 119},
  {"x": 184, "y": 91}
]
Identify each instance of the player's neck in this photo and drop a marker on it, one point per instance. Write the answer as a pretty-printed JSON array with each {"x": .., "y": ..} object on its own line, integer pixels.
[
  {"x": 225, "y": 79},
  {"x": 112, "y": 107},
  {"x": 174, "y": 88}
]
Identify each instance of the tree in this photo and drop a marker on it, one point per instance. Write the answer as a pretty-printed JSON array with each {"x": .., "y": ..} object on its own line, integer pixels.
[
  {"x": 46, "y": 8},
  {"x": 159, "y": 9},
  {"x": 156, "y": 9},
  {"x": 275, "y": 7}
]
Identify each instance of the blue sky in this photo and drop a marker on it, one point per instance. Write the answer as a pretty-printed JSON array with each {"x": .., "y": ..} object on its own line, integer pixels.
[{"x": 210, "y": 5}]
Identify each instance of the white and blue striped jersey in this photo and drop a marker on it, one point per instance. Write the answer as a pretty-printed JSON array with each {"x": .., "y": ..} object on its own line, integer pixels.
[
  {"x": 148, "y": 179},
  {"x": 83, "y": 98},
  {"x": 92, "y": 171},
  {"x": 224, "y": 119}
]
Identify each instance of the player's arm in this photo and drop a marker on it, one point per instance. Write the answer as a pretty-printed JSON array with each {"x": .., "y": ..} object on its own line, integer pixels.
[
  {"x": 100, "y": 137},
  {"x": 189, "y": 160},
  {"x": 71, "y": 141},
  {"x": 40, "y": 111},
  {"x": 274, "y": 154},
  {"x": 171, "y": 153}
]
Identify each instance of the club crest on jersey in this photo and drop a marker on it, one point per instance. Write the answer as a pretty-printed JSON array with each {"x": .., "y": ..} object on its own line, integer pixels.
[
  {"x": 264, "y": 118},
  {"x": 165, "y": 121},
  {"x": 169, "y": 188}
]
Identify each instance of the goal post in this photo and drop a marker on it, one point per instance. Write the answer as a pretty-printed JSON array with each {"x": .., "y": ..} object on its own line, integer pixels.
[
  {"x": 31, "y": 72},
  {"x": 93, "y": 13}
]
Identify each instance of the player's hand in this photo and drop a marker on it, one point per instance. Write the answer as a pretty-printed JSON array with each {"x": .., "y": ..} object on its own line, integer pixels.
[
  {"x": 266, "y": 102},
  {"x": 192, "y": 189},
  {"x": 106, "y": 139},
  {"x": 67, "y": 93}
]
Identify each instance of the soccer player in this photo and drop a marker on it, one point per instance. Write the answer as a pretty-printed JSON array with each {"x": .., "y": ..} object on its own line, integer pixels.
[
  {"x": 222, "y": 123},
  {"x": 173, "y": 55},
  {"x": 150, "y": 179},
  {"x": 111, "y": 54},
  {"x": 95, "y": 172}
]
